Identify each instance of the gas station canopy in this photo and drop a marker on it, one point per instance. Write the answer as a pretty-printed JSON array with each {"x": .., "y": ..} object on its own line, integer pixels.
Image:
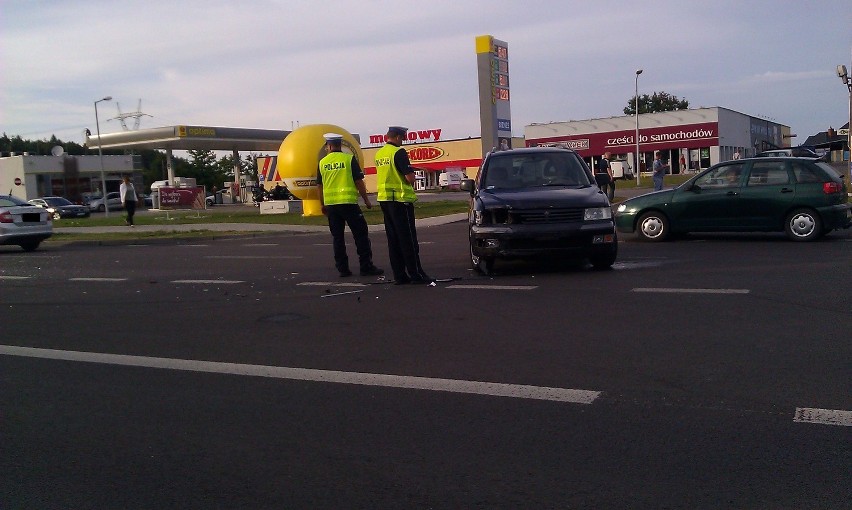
[{"x": 192, "y": 138}]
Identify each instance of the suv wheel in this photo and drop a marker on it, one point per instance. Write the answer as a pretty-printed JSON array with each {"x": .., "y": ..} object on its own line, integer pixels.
[
  {"x": 484, "y": 265},
  {"x": 605, "y": 260}
]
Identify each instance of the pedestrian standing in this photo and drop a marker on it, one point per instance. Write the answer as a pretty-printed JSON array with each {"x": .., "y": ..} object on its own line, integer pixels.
[
  {"x": 395, "y": 182},
  {"x": 606, "y": 168},
  {"x": 340, "y": 181},
  {"x": 659, "y": 171},
  {"x": 128, "y": 199}
]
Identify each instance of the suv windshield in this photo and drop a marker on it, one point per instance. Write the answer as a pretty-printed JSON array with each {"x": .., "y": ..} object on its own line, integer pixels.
[{"x": 511, "y": 171}]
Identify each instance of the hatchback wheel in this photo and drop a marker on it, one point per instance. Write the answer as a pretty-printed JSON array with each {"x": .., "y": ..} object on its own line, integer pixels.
[
  {"x": 803, "y": 225},
  {"x": 653, "y": 226}
]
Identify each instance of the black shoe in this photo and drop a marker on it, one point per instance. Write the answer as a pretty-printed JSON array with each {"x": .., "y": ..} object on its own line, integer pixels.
[
  {"x": 372, "y": 271},
  {"x": 422, "y": 279},
  {"x": 345, "y": 272}
]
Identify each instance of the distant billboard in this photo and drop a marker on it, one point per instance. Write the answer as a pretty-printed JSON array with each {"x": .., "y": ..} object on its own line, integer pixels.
[{"x": 182, "y": 198}]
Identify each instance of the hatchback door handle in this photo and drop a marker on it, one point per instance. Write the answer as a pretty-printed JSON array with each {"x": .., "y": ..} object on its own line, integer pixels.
[
  {"x": 786, "y": 190},
  {"x": 731, "y": 193}
]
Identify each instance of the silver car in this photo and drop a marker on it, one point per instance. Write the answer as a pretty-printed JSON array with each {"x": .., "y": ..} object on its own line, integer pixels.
[
  {"x": 113, "y": 201},
  {"x": 23, "y": 224}
]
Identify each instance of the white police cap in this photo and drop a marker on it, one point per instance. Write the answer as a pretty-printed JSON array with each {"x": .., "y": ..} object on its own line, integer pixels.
[{"x": 333, "y": 137}]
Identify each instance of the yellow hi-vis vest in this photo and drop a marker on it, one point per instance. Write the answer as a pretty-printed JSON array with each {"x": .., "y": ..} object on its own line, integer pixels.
[
  {"x": 337, "y": 184},
  {"x": 391, "y": 185}
]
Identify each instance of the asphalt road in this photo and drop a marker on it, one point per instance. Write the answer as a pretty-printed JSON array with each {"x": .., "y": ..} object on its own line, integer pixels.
[{"x": 711, "y": 373}]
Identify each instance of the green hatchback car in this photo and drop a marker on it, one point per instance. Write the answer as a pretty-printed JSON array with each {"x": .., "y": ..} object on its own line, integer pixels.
[{"x": 803, "y": 197}]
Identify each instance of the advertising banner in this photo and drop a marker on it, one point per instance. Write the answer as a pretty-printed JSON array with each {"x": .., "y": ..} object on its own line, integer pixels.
[{"x": 182, "y": 198}]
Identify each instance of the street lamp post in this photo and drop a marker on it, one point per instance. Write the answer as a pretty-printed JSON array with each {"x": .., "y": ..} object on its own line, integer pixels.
[
  {"x": 636, "y": 113},
  {"x": 844, "y": 76},
  {"x": 101, "y": 156}
]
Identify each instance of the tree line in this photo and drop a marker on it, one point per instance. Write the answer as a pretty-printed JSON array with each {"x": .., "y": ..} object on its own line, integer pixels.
[{"x": 203, "y": 165}]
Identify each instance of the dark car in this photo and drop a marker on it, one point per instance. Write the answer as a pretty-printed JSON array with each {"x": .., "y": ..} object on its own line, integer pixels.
[
  {"x": 803, "y": 197},
  {"x": 60, "y": 207},
  {"x": 538, "y": 201}
]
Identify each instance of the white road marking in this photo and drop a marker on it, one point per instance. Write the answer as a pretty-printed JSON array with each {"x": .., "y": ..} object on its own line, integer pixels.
[
  {"x": 253, "y": 257},
  {"x": 260, "y": 244},
  {"x": 691, "y": 291},
  {"x": 823, "y": 416},
  {"x": 87, "y": 279},
  {"x": 494, "y": 287},
  {"x": 307, "y": 374},
  {"x": 14, "y": 277},
  {"x": 223, "y": 282},
  {"x": 342, "y": 293},
  {"x": 332, "y": 284}
]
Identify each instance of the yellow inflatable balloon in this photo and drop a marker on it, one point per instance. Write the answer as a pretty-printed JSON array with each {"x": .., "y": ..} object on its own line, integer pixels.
[{"x": 299, "y": 156}]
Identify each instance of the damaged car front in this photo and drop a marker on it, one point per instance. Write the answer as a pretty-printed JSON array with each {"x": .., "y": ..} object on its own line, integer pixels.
[{"x": 538, "y": 201}]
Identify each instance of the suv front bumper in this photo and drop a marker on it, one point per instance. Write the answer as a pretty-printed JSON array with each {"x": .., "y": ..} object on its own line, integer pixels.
[{"x": 516, "y": 241}]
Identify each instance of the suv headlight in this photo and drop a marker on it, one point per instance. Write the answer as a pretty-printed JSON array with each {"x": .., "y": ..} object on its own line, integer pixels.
[
  {"x": 477, "y": 217},
  {"x": 597, "y": 213}
]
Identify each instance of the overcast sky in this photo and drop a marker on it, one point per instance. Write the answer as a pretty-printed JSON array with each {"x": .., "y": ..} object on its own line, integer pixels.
[{"x": 364, "y": 65}]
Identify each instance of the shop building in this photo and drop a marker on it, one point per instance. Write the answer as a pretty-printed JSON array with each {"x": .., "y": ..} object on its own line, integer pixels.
[
  {"x": 690, "y": 140},
  {"x": 73, "y": 177},
  {"x": 433, "y": 155}
]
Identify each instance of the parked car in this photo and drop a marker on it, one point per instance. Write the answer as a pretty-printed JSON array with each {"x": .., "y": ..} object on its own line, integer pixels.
[
  {"x": 791, "y": 152},
  {"x": 803, "y": 197},
  {"x": 210, "y": 200},
  {"x": 538, "y": 201},
  {"x": 60, "y": 207},
  {"x": 113, "y": 201},
  {"x": 23, "y": 224}
]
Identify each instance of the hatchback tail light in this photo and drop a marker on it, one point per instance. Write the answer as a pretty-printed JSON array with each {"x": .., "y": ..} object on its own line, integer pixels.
[
  {"x": 6, "y": 217},
  {"x": 831, "y": 187}
]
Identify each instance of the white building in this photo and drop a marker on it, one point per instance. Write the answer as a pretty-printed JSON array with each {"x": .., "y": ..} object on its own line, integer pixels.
[
  {"x": 72, "y": 177},
  {"x": 688, "y": 139}
]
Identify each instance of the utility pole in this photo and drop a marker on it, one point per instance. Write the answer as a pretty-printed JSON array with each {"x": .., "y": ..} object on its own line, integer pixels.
[{"x": 137, "y": 115}]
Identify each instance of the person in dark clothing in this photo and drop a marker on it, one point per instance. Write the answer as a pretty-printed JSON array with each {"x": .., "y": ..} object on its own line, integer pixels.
[
  {"x": 340, "y": 181},
  {"x": 603, "y": 176},
  {"x": 395, "y": 179}
]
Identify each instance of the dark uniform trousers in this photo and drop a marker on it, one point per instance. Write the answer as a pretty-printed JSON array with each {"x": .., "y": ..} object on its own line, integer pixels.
[
  {"x": 403, "y": 249},
  {"x": 339, "y": 216}
]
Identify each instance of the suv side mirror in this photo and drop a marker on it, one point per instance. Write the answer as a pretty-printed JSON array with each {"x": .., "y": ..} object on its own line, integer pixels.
[{"x": 467, "y": 185}]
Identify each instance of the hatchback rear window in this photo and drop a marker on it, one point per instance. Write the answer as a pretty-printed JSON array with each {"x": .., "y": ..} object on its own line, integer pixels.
[
  {"x": 806, "y": 174},
  {"x": 834, "y": 174}
]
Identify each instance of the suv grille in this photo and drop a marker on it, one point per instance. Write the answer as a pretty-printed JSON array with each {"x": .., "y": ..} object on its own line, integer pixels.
[{"x": 535, "y": 216}]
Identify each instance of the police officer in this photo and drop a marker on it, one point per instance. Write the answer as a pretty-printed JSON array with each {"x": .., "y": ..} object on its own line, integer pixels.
[
  {"x": 340, "y": 181},
  {"x": 395, "y": 179}
]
